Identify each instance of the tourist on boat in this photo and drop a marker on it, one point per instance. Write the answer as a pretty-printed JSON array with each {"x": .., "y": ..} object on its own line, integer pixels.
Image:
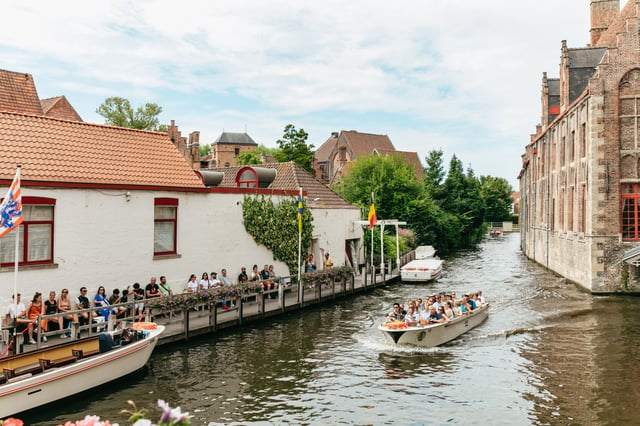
[
  {"x": 125, "y": 298},
  {"x": 243, "y": 277},
  {"x": 17, "y": 314},
  {"x": 192, "y": 284},
  {"x": 442, "y": 312},
  {"x": 64, "y": 305},
  {"x": 480, "y": 297},
  {"x": 100, "y": 300},
  {"x": 309, "y": 264},
  {"x": 138, "y": 297},
  {"x": 165, "y": 288},
  {"x": 152, "y": 289},
  {"x": 448, "y": 309},
  {"x": 50, "y": 308},
  {"x": 412, "y": 315},
  {"x": 396, "y": 314},
  {"x": 435, "y": 316},
  {"x": 464, "y": 308},
  {"x": 35, "y": 308},
  {"x": 328, "y": 262},
  {"x": 115, "y": 299},
  {"x": 469, "y": 301},
  {"x": 205, "y": 282}
]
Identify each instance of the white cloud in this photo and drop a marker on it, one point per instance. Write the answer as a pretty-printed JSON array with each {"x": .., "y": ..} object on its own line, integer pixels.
[{"x": 440, "y": 63}]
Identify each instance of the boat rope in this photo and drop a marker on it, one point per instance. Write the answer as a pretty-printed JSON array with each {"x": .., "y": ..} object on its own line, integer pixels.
[{"x": 12, "y": 340}]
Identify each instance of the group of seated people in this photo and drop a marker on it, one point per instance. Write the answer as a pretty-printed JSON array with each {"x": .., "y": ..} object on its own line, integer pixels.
[
  {"x": 21, "y": 315},
  {"x": 437, "y": 308}
]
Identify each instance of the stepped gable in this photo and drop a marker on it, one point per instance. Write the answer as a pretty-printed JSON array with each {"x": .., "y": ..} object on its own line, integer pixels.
[
  {"x": 53, "y": 150},
  {"x": 292, "y": 177},
  {"x": 59, "y": 107},
  {"x": 18, "y": 93}
]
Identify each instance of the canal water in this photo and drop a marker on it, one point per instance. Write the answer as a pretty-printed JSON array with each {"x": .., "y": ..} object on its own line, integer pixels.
[{"x": 547, "y": 354}]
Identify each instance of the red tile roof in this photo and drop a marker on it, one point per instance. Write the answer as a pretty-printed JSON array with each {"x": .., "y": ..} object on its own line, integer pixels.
[
  {"x": 53, "y": 150},
  {"x": 18, "y": 93},
  {"x": 292, "y": 177},
  {"x": 357, "y": 143},
  {"x": 59, "y": 107},
  {"x": 410, "y": 158}
]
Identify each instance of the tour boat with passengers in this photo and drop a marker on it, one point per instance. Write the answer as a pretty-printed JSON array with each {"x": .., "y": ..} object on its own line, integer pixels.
[
  {"x": 429, "y": 335},
  {"x": 44, "y": 375}
]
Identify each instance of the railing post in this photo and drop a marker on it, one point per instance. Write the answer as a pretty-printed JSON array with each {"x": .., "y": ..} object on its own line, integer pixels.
[
  {"x": 185, "y": 315},
  {"x": 240, "y": 309}
]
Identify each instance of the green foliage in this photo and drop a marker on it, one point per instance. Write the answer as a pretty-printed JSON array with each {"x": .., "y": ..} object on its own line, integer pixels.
[
  {"x": 117, "y": 111},
  {"x": 390, "y": 178},
  {"x": 254, "y": 156},
  {"x": 293, "y": 147},
  {"x": 205, "y": 150},
  {"x": 496, "y": 195},
  {"x": 434, "y": 172},
  {"x": 327, "y": 276},
  {"x": 276, "y": 227}
]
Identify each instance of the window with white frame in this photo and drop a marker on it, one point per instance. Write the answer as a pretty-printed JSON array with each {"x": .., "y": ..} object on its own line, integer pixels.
[
  {"x": 35, "y": 240},
  {"x": 165, "y": 226}
]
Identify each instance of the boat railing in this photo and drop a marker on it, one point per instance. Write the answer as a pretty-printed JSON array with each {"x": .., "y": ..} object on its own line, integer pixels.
[{"x": 71, "y": 328}]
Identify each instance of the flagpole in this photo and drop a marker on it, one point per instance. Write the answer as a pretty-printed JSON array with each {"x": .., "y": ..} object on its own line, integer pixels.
[
  {"x": 373, "y": 267},
  {"x": 16, "y": 255},
  {"x": 300, "y": 288}
]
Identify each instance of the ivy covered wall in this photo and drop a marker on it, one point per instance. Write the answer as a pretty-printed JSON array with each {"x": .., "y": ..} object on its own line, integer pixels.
[{"x": 276, "y": 227}]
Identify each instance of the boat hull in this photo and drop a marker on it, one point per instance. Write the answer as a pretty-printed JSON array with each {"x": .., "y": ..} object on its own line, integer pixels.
[
  {"x": 22, "y": 394},
  {"x": 435, "y": 334},
  {"x": 421, "y": 270}
]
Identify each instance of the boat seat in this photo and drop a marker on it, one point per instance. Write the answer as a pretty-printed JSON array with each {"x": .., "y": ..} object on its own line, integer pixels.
[
  {"x": 58, "y": 362},
  {"x": 10, "y": 373},
  {"x": 79, "y": 353}
]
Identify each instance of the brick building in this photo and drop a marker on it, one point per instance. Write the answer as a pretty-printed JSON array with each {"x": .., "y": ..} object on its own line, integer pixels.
[
  {"x": 332, "y": 158},
  {"x": 580, "y": 180}
]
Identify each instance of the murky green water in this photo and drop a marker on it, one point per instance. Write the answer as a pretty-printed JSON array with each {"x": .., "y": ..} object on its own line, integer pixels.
[{"x": 548, "y": 354}]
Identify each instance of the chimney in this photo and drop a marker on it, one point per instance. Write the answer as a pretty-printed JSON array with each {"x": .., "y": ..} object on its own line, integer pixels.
[
  {"x": 603, "y": 12},
  {"x": 545, "y": 100}
]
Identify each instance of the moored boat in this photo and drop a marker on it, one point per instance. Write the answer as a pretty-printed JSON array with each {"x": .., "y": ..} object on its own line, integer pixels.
[
  {"x": 431, "y": 335},
  {"x": 421, "y": 270},
  {"x": 35, "y": 378}
]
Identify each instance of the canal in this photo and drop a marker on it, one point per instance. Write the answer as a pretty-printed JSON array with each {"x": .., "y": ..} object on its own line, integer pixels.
[{"x": 548, "y": 354}]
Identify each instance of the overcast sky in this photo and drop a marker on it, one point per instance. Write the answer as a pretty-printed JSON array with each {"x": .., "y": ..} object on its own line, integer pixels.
[{"x": 458, "y": 75}]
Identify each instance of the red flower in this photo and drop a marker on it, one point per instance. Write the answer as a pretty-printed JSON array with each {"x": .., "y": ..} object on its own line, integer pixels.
[{"x": 12, "y": 422}]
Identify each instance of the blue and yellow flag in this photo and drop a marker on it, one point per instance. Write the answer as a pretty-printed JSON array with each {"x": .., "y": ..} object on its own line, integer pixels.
[{"x": 300, "y": 211}]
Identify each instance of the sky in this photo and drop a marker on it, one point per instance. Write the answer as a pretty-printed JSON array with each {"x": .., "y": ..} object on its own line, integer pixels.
[{"x": 461, "y": 76}]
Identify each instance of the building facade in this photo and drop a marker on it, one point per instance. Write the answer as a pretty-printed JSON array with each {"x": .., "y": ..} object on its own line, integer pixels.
[{"x": 580, "y": 180}]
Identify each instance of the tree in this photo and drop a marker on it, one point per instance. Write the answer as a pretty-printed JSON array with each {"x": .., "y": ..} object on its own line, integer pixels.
[
  {"x": 118, "y": 112},
  {"x": 434, "y": 173},
  {"x": 255, "y": 155},
  {"x": 205, "y": 150},
  {"x": 496, "y": 195},
  {"x": 390, "y": 178},
  {"x": 293, "y": 147}
]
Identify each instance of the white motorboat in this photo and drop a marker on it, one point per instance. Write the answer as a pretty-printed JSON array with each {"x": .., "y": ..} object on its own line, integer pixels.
[
  {"x": 425, "y": 252},
  {"x": 35, "y": 378},
  {"x": 421, "y": 270},
  {"x": 433, "y": 334}
]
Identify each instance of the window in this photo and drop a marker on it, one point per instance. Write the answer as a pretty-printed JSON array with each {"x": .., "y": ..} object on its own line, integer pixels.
[
  {"x": 236, "y": 152},
  {"x": 35, "y": 244},
  {"x": 165, "y": 226},
  {"x": 630, "y": 197}
]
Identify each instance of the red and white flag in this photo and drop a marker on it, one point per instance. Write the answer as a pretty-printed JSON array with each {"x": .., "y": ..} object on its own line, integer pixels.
[{"x": 11, "y": 207}]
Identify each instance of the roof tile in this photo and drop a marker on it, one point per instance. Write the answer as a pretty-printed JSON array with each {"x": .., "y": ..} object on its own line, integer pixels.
[{"x": 75, "y": 152}]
